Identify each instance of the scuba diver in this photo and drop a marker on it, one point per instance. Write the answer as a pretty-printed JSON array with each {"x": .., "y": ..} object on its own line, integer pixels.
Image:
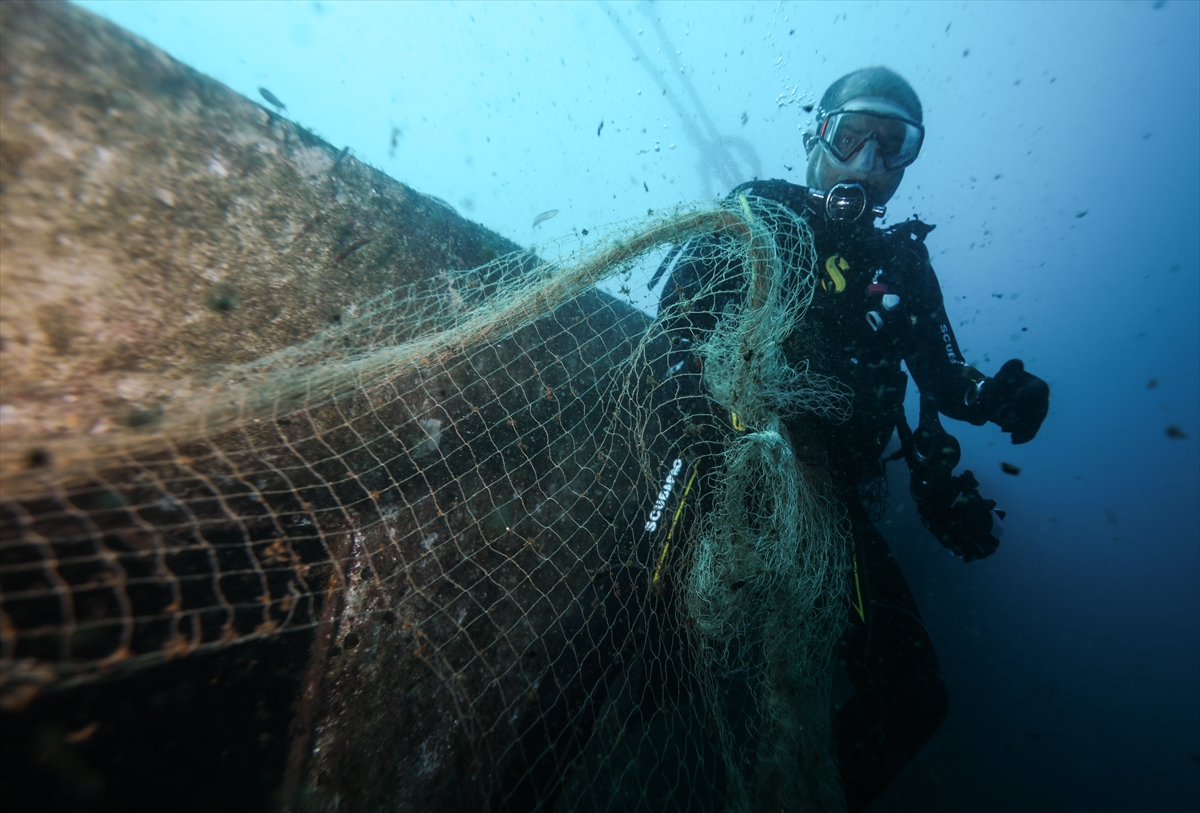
[{"x": 878, "y": 303}]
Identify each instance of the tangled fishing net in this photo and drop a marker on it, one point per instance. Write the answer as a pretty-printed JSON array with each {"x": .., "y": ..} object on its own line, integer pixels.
[{"x": 466, "y": 467}]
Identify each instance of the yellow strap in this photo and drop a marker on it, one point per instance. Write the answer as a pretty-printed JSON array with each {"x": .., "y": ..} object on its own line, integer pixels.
[
  {"x": 857, "y": 587},
  {"x": 662, "y": 557}
]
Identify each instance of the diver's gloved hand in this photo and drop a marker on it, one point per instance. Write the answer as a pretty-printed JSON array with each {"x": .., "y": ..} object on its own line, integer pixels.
[
  {"x": 1016, "y": 400},
  {"x": 960, "y": 518}
]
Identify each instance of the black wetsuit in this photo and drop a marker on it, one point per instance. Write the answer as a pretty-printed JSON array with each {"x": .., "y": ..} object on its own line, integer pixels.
[{"x": 878, "y": 303}]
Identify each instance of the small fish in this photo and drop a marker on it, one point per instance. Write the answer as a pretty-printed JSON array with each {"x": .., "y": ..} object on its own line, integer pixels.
[
  {"x": 1082, "y": 214},
  {"x": 544, "y": 216},
  {"x": 1175, "y": 432},
  {"x": 1153, "y": 383},
  {"x": 345, "y": 151},
  {"x": 601, "y": 127},
  {"x": 1009, "y": 468},
  {"x": 745, "y": 118},
  {"x": 350, "y": 250},
  {"x": 645, "y": 187},
  {"x": 272, "y": 98}
]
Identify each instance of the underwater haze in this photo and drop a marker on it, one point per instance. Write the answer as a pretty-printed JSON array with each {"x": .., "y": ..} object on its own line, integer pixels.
[{"x": 1062, "y": 168}]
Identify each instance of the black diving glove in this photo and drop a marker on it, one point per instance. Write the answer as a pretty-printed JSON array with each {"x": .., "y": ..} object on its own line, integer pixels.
[
  {"x": 959, "y": 517},
  {"x": 1016, "y": 400}
]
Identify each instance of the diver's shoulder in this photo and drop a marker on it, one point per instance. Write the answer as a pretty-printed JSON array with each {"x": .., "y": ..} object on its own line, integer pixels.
[
  {"x": 912, "y": 230},
  {"x": 907, "y": 240}
]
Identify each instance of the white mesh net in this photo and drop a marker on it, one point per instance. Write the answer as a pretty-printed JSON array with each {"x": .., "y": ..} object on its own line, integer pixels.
[{"x": 453, "y": 486}]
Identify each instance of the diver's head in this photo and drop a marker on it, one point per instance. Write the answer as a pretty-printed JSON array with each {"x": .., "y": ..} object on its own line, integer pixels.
[{"x": 868, "y": 130}]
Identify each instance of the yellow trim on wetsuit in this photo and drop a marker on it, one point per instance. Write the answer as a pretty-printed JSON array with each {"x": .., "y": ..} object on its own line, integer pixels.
[
  {"x": 857, "y": 587},
  {"x": 745, "y": 205},
  {"x": 734, "y": 418},
  {"x": 662, "y": 557}
]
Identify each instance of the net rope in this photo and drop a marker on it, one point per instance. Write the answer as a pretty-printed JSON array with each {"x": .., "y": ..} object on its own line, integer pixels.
[{"x": 471, "y": 459}]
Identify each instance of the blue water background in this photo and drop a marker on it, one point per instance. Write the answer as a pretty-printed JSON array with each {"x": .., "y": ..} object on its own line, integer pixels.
[{"x": 1062, "y": 168}]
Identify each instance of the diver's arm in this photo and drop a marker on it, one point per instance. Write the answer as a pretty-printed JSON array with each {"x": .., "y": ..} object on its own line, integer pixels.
[
  {"x": 936, "y": 363},
  {"x": 688, "y": 310},
  {"x": 1015, "y": 400}
]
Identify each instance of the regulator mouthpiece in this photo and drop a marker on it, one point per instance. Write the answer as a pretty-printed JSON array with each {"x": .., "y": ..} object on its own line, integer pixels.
[{"x": 846, "y": 202}]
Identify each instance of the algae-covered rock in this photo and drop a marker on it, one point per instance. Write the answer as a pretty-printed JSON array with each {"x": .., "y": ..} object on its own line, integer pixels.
[
  {"x": 156, "y": 226},
  {"x": 215, "y": 465}
]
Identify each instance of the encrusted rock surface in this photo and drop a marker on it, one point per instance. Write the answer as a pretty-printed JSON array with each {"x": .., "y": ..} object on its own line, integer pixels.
[{"x": 156, "y": 227}]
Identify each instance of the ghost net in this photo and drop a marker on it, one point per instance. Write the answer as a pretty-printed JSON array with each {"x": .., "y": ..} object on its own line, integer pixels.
[{"x": 451, "y": 492}]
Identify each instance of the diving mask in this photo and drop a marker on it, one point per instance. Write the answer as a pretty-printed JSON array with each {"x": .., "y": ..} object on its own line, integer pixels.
[{"x": 898, "y": 139}]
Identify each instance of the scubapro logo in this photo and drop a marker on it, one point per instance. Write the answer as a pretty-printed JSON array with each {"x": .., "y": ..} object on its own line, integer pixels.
[
  {"x": 949, "y": 345},
  {"x": 664, "y": 494}
]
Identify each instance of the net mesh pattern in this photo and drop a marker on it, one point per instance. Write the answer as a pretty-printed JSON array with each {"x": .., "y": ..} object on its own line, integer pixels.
[{"x": 469, "y": 464}]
